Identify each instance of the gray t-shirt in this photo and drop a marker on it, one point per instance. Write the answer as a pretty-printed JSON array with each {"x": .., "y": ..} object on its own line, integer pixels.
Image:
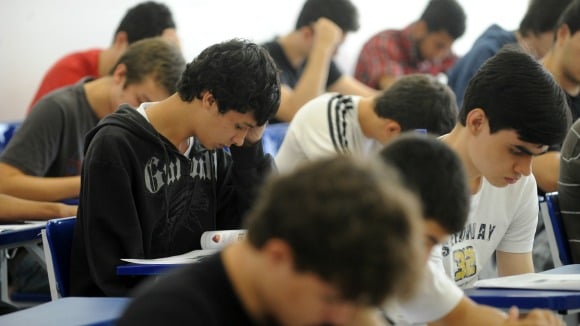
[
  {"x": 569, "y": 189},
  {"x": 50, "y": 140}
]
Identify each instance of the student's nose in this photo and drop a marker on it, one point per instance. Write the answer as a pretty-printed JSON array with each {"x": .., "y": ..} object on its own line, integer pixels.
[
  {"x": 239, "y": 137},
  {"x": 524, "y": 165}
]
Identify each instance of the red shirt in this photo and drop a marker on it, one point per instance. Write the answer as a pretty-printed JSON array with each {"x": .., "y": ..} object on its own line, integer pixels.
[
  {"x": 67, "y": 71},
  {"x": 392, "y": 52}
]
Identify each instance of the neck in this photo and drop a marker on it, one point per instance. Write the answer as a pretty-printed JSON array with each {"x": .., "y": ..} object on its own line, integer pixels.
[
  {"x": 367, "y": 118},
  {"x": 552, "y": 63},
  {"x": 98, "y": 96},
  {"x": 173, "y": 118},
  {"x": 457, "y": 140},
  {"x": 107, "y": 59},
  {"x": 242, "y": 266},
  {"x": 528, "y": 44},
  {"x": 293, "y": 44}
]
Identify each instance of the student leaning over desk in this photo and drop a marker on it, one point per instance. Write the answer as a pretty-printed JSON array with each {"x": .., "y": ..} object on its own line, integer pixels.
[{"x": 154, "y": 179}]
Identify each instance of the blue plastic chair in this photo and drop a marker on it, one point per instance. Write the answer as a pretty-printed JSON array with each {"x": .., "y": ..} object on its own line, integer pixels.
[
  {"x": 7, "y": 129},
  {"x": 57, "y": 239},
  {"x": 550, "y": 212},
  {"x": 273, "y": 137}
]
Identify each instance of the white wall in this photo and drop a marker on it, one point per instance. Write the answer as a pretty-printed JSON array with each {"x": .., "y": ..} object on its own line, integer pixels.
[{"x": 35, "y": 33}]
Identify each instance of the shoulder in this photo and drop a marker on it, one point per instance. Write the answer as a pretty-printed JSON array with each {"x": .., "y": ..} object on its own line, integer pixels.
[
  {"x": 436, "y": 298},
  {"x": 384, "y": 39},
  {"x": 86, "y": 55}
]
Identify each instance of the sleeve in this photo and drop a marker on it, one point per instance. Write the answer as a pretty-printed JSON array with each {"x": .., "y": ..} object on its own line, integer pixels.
[
  {"x": 35, "y": 145},
  {"x": 154, "y": 305},
  {"x": 437, "y": 296},
  {"x": 62, "y": 73},
  {"x": 519, "y": 237},
  {"x": 110, "y": 221},
  {"x": 569, "y": 189},
  {"x": 334, "y": 74},
  {"x": 378, "y": 58},
  {"x": 239, "y": 178},
  {"x": 465, "y": 68},
  {"x": 307, "y": 139}
]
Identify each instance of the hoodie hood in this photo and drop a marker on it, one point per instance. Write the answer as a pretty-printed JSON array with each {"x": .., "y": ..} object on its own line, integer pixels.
[{"x": 127, "y": 118}]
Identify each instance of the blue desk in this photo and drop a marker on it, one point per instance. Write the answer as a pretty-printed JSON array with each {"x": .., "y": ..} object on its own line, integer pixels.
[
  {"x": 144, "y": 269},
  {"x": 27, "y": 236},
  {"x": 69, "y": 311},
  {"x": 562, "y": 302}
]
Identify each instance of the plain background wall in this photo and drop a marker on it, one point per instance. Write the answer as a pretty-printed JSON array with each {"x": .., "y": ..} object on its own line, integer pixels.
[{"x": 35, "y": 33}]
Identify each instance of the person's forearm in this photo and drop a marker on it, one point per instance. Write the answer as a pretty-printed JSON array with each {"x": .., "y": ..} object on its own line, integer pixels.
[
  {"x": 13, "y": 209},
  {"x": 311, "y": 84},
  {"x": 546, "y": 170},
  {"x": 41, "y": 188}
]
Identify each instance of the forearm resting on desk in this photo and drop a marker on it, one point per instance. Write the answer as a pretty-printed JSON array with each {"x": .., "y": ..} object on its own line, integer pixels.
[
  {"x": 15, "y": 183},
  {"x": 470, "y": 313},
  {"x": 13, "y": 209}
]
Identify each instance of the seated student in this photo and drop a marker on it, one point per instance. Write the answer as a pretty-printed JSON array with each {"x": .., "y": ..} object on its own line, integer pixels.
[
  {"x": 323, "y": 243},
  {"x": 42, "y": 160},
  {"x": 512, "y": 111},
  {"x": 563, "y": 62},
  {"x": 156, "y": 178},
  {"x": 427, "y": 165},
  {"x": 340, "y": 123},
  {"x": 422, "y": 47},
  {"x": 569, "y": 189},
  {"x": 17, "y": 209},
  {"x": 534, "y": 35},
  {"x": 304, "y": 56},
  {"x": 147, "y": 19}
]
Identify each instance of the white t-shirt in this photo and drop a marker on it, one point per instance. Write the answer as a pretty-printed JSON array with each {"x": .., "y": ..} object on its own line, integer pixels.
[
  {"x": 500, "y": 218},
  {"x": 323, "y": 127},
  {"x": 437, "y": 296}
]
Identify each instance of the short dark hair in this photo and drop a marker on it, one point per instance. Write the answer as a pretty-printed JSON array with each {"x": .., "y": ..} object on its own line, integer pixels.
[
  {"x": 445, "y": 15},
  {"x": 542, "y": 16},
  {"x": 517, "y": 93},
  {"x": 341, "y": 12},
  {"x": 240, "y": 74},
  {"x": 145, "y": 20},
  {"x": 418, "y": 101},
  {"x": 153, "y": 57},
  {"x": 353, "y": 225},
  {"x": 432, "y": 170},
  {"x": 571, "y": 17}
]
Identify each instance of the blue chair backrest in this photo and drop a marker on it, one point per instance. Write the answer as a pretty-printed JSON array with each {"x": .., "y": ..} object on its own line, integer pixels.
[
  {"x": 273, "y": 137},
  {"x": 7, "y": 129},
  {"x": 59, "y": 233},
  {"x": 558, "y": 228}
]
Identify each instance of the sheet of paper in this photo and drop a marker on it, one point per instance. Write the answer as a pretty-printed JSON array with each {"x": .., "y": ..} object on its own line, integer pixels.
[
  {"x": 15, "y": 227},
  {"x": 537, "y": 281},
  {"x": 186, "y": 258}
]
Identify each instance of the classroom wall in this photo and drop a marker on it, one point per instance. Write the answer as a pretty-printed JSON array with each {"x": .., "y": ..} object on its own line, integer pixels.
[{"x": 35, "y": 33}]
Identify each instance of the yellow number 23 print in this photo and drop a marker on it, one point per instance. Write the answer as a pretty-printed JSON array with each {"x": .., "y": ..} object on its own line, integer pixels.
[{"x": 465, "y": 263}]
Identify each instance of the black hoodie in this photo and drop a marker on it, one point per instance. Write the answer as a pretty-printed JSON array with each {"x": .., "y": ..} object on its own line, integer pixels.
[{"x": 142, "y": 198}]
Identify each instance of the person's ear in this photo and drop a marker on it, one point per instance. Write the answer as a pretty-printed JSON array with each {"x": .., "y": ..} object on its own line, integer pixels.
[
  {"x": 278, "y": 253},
  {"x": 562, "y": 33},
  {"x": 476, "y": 120},
  {"x": 121, "y": 40},
  {"x": 420, "y": 29},
  {"x": 307, "y": 31},
  {"x": 392, "y": 127},
  {"x": 389, "y": 130},
  {"x": 120, "y": 74},
  {"x": 207, "y": 100}
]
